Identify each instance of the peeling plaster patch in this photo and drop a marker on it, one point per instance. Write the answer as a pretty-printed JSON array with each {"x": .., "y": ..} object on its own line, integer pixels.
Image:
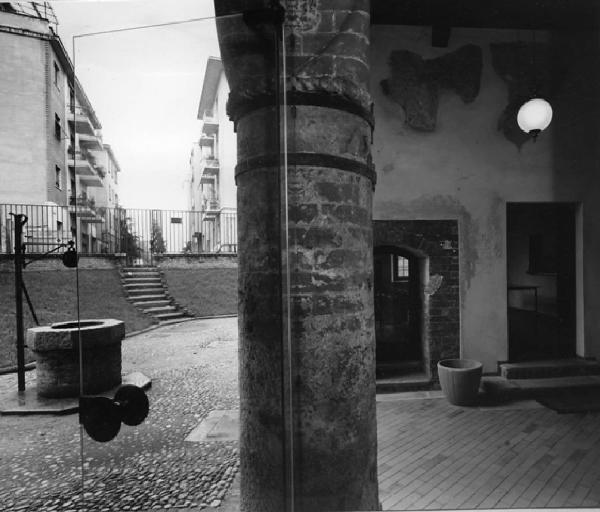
[{"x": 435, "y": 281}]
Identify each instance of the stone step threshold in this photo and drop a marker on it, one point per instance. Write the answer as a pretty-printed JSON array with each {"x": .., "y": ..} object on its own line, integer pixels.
[
  {"x": 502, "y": 388},
  {"x": 549, "y": 368},
  {"x": 29, "y": 403},
  {"x": 404, "y": 383}
]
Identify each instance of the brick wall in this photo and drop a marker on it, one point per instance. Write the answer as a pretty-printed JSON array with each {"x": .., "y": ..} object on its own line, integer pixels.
[{"x": 436, "y": 240}]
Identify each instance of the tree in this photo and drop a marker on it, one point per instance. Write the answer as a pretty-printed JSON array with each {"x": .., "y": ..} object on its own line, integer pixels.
[
  {"x": 157, "y": 242},
  {"x": 128, "y": 242}
]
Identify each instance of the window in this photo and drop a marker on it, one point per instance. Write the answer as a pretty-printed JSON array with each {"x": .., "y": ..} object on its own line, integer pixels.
[
  {"x": 57, "y": 127},
  {"x": 58, "y": 177},
  {"x": 56, "y": 75},
  {"x": 400, "y": 268}
]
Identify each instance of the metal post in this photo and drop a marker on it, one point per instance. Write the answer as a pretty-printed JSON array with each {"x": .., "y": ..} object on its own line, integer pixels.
[{"x": 20, "y": 221}]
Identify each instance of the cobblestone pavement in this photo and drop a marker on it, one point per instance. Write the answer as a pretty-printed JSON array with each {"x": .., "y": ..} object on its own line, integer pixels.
[
  {"x": 193, "y": 366},
  {"x": 433, "y": 455}
]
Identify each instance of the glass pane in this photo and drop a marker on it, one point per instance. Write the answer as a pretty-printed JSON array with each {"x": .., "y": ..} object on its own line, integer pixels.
[
  {"x": 428, "y": 354},
  {"x": 143, "y": 302},
  {"x": 164, "y": 432}
]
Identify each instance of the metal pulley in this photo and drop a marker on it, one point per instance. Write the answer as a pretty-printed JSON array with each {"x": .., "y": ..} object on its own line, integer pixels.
[{"x": 101, "y": 417}]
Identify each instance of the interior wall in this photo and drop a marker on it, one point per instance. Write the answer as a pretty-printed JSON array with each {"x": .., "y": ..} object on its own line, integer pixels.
[{"x": 467, "y": 170}]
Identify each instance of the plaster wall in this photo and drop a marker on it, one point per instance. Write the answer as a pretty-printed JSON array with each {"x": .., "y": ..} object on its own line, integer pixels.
[
  {"x": 23, "y": 125},
  {"x": 466, "y": 170}
]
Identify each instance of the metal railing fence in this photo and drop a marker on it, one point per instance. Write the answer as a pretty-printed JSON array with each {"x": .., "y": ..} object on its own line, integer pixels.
[{"x": 138, "y": 233}]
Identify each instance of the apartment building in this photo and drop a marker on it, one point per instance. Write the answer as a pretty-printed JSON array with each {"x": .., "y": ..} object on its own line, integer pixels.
[
  {"x": 51, "y": 148},
  {"x": 212, "y": 190}
]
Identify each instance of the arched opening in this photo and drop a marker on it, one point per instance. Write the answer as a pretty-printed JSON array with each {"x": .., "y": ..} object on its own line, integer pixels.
[{"x": 399, "y": 298}]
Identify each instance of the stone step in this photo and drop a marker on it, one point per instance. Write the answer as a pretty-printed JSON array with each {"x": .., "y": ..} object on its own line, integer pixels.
[
  {"x": 159, "y": 309},
  {"x": 170, "y": 316},
  {"x": 141, "y": 299},
  {"x": 151, "y": 303},
  {"x": 136, "y": 286},
  {"x": 149, "y": 279},
  {"x": 146, "y": 291},
  {"x": 400, "y": 385},
  {"x": 521, "y": 389},
  {"x": 550, "y": 369},
  {"x": 139, "y": 271}
]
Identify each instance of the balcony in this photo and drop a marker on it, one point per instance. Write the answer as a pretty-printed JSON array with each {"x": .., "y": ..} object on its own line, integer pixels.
[
  {"x": 88, "y": 175},
  {"x": 84, "y": 208},
  {"x": 90, "y": 142},
  {"x": 82, "y": 122},
  {"x": 211, "y": 163},
  {"x": 211, "y": 209},
  {"x": 210, "y": 126}
]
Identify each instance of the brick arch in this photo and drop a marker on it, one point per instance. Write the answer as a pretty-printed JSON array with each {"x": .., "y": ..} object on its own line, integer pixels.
[{"x": 436, "y": 242}]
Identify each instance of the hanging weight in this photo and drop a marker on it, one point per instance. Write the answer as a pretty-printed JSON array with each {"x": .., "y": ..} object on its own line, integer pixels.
[
  {"x": 69, "y": 257},
  {"x": 132, "y": 404},
  {"x": 100, "y": 418}
]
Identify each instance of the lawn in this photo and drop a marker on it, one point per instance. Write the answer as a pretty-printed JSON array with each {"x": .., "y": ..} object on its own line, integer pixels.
[
  {"x": 204, "y": 292},
  {"x": 53, "y": 294}
]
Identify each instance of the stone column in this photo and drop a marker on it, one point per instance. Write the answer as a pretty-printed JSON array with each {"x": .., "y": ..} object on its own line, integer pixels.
[{"x": 330, "y": 185}]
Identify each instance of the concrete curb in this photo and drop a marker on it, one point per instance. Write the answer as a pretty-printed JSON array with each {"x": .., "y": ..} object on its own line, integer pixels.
[{"x": 175, "y": 322}]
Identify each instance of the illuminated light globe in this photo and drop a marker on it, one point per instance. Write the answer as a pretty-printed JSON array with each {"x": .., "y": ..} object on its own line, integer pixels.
[{"x": 534, "y": 116}]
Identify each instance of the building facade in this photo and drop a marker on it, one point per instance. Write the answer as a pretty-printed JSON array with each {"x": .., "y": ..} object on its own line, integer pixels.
[
  {"x": 51, "y": 148},
  {"x": 212, "y": 189}
]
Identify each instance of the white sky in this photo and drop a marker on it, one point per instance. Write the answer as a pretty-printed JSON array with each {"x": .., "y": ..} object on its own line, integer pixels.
[{"x": 145, "y": 87}]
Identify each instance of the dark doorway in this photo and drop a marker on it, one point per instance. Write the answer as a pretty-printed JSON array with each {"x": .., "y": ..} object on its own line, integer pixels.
[
  {"x": 398, "y": 311},
  {"x": 541, "y": 281}
]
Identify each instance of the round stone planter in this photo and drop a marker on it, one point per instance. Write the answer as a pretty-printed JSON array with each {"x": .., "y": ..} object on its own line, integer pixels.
[
  {"x": 460, "y": 379},
  {"x": 56, "y": 348}
]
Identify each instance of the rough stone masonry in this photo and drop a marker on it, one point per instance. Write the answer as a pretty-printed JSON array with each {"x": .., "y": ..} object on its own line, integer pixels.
[{"x": 329, "y": 232}]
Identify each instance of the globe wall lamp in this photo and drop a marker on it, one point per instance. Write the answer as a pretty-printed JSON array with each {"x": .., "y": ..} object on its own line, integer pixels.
[{"x": 534, "y": 116}]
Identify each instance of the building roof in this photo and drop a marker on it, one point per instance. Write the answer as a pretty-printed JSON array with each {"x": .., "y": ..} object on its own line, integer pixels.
[{"x": 214, "y": 68}]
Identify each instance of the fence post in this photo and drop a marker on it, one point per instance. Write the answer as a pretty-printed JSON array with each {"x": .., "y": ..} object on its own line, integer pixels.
[{"x": 20, "y": 220}]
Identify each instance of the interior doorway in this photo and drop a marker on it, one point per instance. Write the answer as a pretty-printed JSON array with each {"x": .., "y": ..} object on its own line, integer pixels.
[
  {"x": 398, "y": 311},
  {"x": 541, "y": 281}
]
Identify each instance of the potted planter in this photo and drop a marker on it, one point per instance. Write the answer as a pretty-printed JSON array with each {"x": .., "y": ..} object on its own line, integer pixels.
[{"x": 460, "y": 379}]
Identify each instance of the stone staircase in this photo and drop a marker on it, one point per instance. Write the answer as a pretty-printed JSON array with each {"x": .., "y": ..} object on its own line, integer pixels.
[
  {"x": 535, "y": 379},
  {"x": 145, "y": 289}
]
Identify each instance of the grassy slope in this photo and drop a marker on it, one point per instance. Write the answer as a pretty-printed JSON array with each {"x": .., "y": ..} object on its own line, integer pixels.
[
  {"x": 204, "y": 292},
  {"x": 53, "y": 294}
]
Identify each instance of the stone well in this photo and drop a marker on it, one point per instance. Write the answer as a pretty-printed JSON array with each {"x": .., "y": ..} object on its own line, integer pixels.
[{"x": 56, "y": 348}]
